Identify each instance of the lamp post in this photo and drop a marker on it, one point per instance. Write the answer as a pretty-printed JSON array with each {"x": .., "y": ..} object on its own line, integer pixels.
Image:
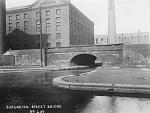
[{"x": 41, "y": 37}]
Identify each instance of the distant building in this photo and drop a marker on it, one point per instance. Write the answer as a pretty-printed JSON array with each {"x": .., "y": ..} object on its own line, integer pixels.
[
  {"x": 126, "y": 38},
  {"x": 62, "y": 22}
]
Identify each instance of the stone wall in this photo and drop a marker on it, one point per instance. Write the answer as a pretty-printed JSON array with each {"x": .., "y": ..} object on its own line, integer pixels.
[
  {"x": 109, "y": 55},
  {"x": 30, "y": 57},
  {"x": 138, "y": 54},
  {"x": 129, "y": 55}
]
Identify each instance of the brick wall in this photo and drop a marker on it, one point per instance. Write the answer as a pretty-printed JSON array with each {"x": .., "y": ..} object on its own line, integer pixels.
[{"x": 7, "y": 60}]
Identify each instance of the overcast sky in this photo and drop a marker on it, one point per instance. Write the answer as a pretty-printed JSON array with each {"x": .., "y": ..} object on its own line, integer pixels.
[{"x": 131, "y": 15}]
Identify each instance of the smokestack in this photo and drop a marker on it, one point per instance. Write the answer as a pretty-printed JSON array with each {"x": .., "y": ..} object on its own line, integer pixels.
[
  {"x": 111, "y": 22},
  {"x": 2, "y": 25}
]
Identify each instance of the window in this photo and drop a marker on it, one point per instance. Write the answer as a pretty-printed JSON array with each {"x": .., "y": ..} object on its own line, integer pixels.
[
  {"x": 102, "y": 39},
  {"x": 37, "y": 29},
  {"x": 10, "y": 28},
  {"x": 10, "y": 18},
  {"x": 18, "y": 25},
  {"x": 17, "y": 17},
  {"x": 37, "y": 22},
  {"x": 96, "y": 40},
  {"x": 25, "y": 23},
  {"x": 48, "y": 28},
  {"x": 75, "y": 15},
  {"x": 25, "y": 16},
  {"x": 25, "y": 30},
  {"x": 119, "y": 39},
  {"x": 10, "y": 25},
  {"x": 37, "y": 14},
  {"x": 48, "y": 13},
  {"x": 48, "y": 45},
  {"x": 49, "y": 36},
  {"x": 58, "y": 35},
  {"x": 48, "y": 21},
  {"x": 58, "y": 19},
  {"x": 58, "y": 44},
  {"x": 58, "y": 11},
  {"x": 58, "y": 27}
]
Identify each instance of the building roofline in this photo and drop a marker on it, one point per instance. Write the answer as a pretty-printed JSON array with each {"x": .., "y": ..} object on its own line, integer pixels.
[
  {"x": 20, "y": 7},
  {"x": 70, "y": 4},
  {"x": 27, "y": 7}
]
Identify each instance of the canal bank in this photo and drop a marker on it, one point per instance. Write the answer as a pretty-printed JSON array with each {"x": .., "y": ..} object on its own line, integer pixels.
[{"x": 114, "y": 80}]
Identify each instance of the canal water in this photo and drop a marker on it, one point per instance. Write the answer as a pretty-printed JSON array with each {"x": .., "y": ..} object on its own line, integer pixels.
[{"x": 33, "y": 92}]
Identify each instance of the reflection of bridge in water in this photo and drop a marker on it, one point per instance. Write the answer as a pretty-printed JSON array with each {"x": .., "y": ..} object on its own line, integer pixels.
[{"x": 85, "y": 55}]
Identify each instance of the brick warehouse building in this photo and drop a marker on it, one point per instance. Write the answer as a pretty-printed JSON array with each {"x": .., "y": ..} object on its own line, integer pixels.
[{"x": 62, "y": 23}]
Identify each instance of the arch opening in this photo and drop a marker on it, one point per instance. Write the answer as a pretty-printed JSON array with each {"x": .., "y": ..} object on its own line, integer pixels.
[{"x": 85, "y": 60}]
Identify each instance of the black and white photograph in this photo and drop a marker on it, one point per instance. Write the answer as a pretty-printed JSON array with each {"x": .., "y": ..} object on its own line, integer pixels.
[{"x": 74, "y": 56}]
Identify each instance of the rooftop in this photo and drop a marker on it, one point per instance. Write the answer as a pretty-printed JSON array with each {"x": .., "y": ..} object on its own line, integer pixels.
[{"x": 39, "y": 3}]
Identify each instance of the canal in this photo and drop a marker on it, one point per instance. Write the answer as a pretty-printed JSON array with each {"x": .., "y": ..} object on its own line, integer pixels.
[{"x": 33, "y": 92}]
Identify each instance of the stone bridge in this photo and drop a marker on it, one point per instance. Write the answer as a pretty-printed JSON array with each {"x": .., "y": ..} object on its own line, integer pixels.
[{"x": 85, "y": 55}]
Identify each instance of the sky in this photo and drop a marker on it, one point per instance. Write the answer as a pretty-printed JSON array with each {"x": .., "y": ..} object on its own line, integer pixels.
[{"x": 131, "y": 15}]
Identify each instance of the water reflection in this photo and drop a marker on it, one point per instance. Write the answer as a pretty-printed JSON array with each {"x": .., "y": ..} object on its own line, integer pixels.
[
  {"x": 36, "y": 88},
  {"x": 132, "y": 105},
  {"x": 103, "y": 104},
  {"x": 99, "y": 104}
]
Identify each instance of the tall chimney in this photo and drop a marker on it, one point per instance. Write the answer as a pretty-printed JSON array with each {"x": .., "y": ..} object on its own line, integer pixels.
[
  {"x": 2, "y": 25},
  {"x": 111, "y": 22}
]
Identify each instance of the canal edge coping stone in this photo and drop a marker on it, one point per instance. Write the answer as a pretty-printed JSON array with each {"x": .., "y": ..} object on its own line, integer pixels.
[{"x": 106, "y": 87}]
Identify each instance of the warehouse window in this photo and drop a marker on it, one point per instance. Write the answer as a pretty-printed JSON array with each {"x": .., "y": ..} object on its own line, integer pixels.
[
  {"x": 48, "y": 45},
  {"x": 58, "y": 11},
  {"x": 37, "y": 22},
  {"x": 25, "y": 23},
  {"x": 18, "y": 25},
  {"x": 48, "y": 21},
  {"x": 48, "y": 28},
  {"x": 48, "y": 13},
  {"x": 37, "y": 29},
  {"x": 10, "y": 18},
  {"x": 37, "y": 14},
  {"x": 58, "y": 27},
  {"x": 58, "y": 35},
  {"x": 25, "y": 16},
  {"x": 58, "y": 44},
  {"x": 17, "y": 17}
]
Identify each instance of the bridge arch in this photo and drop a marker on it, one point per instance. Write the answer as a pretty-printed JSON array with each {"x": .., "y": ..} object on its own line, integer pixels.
[{"x": 84, "y": 60}]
